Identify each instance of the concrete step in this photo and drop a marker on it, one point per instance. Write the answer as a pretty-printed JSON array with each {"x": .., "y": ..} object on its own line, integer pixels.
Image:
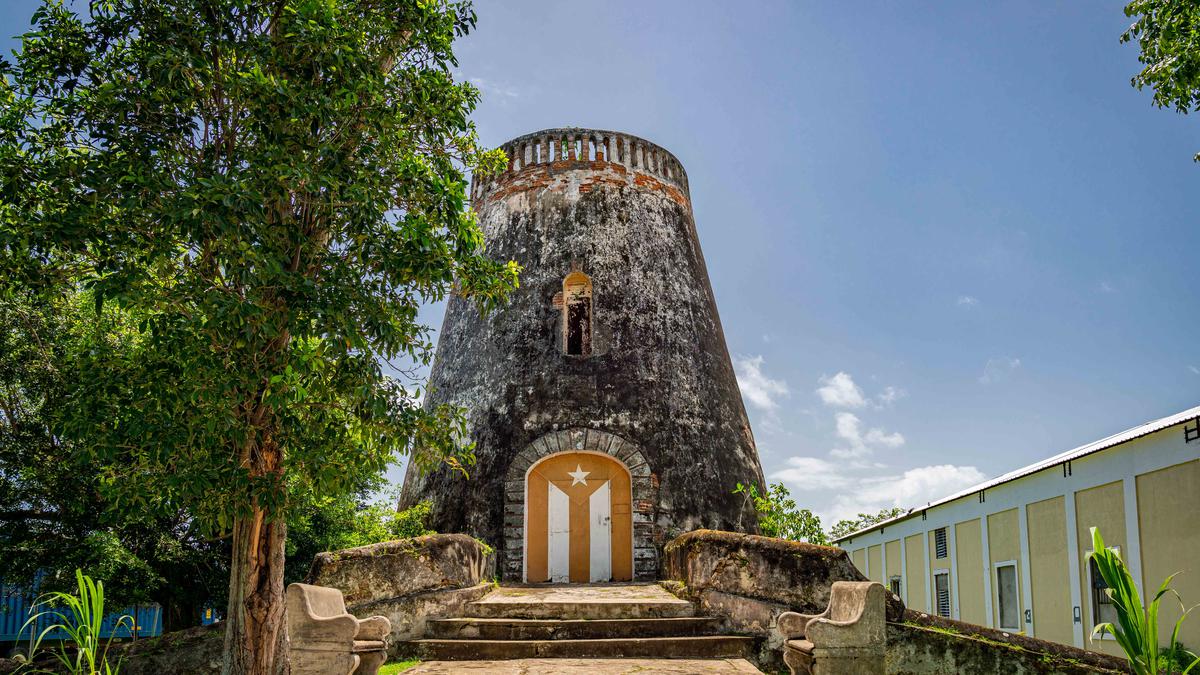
[
  {"x": 588, "y": 667},
  {"x": 592, "y": 601},
  {"x": 702, "y": 647},
  {"x": 571, "y": 629}
]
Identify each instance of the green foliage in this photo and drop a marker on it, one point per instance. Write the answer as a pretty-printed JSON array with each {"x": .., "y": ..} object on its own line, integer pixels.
[
  {"x": 269, "y": 192},
  {"x": 1136, "y": 630},
  {"x": 317, "y": 524},
  {"x": 849, "y": 526},
  {"x": 1168, "y": 32},
  {"x": 411, "y": 522},
  {"x": 81, "y": 617},
  {"x": 1178, "y": 658},
  {"x": 272, "y": 190},
  {"x": 778, "y": 515},
  {"x": 54, "y": 514}
]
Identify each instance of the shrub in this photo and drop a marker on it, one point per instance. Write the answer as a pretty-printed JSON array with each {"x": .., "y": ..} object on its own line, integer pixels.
[
  {"x": 778, "y": 515},
  {"x": 1136, "y": 630},
  {"x": 81, "y": 618}
]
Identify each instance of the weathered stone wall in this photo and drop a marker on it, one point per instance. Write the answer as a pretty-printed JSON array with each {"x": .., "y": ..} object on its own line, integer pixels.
[
  {"x": 750, "y": 580},
  {"x": 616, "y": 208},
  {"x": 409, "y": 580},
  {"x": 925, "y": 645}
]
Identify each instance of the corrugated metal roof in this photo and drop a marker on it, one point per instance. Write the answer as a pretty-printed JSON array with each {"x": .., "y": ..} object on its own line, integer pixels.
[{"x": 1081, "y": 451}]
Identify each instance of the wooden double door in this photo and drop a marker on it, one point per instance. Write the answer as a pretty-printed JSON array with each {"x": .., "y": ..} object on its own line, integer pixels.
[{"x": 578, "y": 519}]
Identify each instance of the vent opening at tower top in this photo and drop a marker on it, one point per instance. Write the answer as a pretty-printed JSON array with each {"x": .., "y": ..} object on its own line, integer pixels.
[{"x": 577, "y": 310}]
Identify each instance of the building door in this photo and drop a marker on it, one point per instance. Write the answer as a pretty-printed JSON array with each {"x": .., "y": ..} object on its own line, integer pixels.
[{"x": 578, "y": 520}]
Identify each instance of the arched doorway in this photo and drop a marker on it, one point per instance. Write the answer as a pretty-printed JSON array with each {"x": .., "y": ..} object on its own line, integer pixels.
[{"x": 578, "y": 519}]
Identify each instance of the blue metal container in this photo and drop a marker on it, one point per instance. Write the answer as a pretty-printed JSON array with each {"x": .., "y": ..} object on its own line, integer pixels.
[{"x": 16, "y": 606}]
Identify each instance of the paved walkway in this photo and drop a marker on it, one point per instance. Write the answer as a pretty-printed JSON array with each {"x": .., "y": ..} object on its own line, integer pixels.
[
  {"x": 589, "y": 667},
  {"x": 570, "y": 593}
]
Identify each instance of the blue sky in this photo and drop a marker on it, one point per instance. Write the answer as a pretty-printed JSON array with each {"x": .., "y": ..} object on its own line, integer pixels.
[{"x": 946, "y": 239}]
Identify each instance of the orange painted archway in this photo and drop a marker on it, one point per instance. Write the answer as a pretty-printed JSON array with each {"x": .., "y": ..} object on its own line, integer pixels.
[{"x": 574, "y": 501}]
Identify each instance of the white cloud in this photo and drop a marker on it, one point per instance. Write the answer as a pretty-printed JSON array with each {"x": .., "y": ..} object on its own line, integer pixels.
[
  {"x": 915, "y": 487},
  {"x": 849, "y": 428},
  {"x": 813, "y": 473},
  {"x": 761, "y": 391},
  {"x": 890, "y": 395},
  {"x": 998, "y": 369},
  {"x": 858, "y": 443},
  {"x": 848, "y": 480},
  {"x": 927, "y": 483},
  {"x": 497, "y": 89},
  {"x": 1106, "y": 287},
  {"x": 877, "y": 437},
  {"x": 855, "y": 489},
  {"x": 840, "y": 391},
  {"x": 967, "y": 301},
  {"x": 1194, "y": 369}
]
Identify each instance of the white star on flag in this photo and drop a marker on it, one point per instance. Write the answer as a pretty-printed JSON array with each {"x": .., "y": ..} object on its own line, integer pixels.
[{"x": 578, "y": 475}]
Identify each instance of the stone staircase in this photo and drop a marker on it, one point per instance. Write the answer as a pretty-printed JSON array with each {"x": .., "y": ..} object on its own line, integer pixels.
[{"x": 594, "y": 621}]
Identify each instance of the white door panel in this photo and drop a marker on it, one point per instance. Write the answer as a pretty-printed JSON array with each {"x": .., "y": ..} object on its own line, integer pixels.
[
  {"x": 559, "y": 553},
  {"x": 600, "y": 547}
]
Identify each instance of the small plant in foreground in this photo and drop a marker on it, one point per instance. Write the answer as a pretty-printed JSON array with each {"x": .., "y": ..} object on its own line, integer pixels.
[
  {"x": 778, "y": 515},
  {"x": 1136, "y": 630},
  {"x": 81, "y": 618}
]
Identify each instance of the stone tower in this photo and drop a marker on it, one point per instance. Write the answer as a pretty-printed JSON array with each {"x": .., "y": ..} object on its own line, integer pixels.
[{"x": 602, "y": 400}]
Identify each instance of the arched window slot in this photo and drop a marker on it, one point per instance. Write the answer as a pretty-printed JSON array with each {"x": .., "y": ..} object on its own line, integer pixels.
[{"x": 577, "y": 314}]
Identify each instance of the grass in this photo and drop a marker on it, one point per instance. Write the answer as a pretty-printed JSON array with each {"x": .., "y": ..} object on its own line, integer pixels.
[{"x": 399, "y": 667}]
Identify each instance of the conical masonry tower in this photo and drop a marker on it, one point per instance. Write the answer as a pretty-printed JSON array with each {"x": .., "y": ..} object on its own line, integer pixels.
[{"x": 602, "y": 400}]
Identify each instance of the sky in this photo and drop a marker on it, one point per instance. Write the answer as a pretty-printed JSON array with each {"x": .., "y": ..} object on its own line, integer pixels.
[{"x": 946, "y": 239}]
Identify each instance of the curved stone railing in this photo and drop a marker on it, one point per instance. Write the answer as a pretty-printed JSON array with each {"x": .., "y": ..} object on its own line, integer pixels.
[{"x": 571, "y": 148}]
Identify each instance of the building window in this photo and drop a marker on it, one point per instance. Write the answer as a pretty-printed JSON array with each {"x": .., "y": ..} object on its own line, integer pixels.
[
  {"x": 1007, "y": 603},
  {"x": 1103, "y": 609},
  {"x": 941, "y": 588},
  {"x": 939, "y": 543},
  {"x": 894, "y": 585},
  {"x": 577, "y": 314}
]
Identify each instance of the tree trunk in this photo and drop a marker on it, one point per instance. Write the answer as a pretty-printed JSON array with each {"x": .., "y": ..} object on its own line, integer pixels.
[{"x": 255, "y": 630}]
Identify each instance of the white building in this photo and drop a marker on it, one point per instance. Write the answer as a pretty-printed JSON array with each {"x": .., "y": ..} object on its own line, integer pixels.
[{"x": 1013, "y": 552}]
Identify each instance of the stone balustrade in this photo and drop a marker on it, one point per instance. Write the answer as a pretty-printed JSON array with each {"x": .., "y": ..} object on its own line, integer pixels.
[{"x": 575, "y": 148}]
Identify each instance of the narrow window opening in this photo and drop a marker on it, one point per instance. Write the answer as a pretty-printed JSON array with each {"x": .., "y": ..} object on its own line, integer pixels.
[
  {"x": 939, "y": 542},
  {"x": 894, "y": 585},
  {"x": 941, "y": 585},
  {"x": 577, "y": 314},
  {"x": 1103, "y": 609},
  {"x": 1008, "y": 606}
]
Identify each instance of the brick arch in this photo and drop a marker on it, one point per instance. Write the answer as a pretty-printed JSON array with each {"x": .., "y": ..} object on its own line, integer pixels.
[{"x": 644, "y": 487}]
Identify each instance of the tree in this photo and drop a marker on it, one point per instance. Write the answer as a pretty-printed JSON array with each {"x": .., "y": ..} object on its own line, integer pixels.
[
  {"x": 322, "y": 523},
  {"x": 54, "y": 517},
  {"x": 272, "y": 189},
  {"x": 1168, "y": 32},
  {"x": 778, "y": 515},
  {"x": 864, "y": 520}
]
